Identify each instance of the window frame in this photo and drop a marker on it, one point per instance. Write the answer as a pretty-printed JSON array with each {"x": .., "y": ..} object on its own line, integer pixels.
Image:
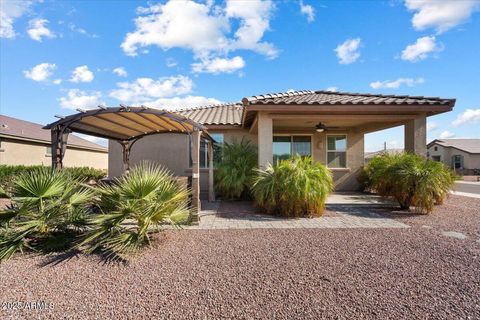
[
  {"x": 48, "y": 154},
  {"x": 291, "y": 135},
  {"x": 206, "y": 142},
  {"x": 327, "y": 151}
]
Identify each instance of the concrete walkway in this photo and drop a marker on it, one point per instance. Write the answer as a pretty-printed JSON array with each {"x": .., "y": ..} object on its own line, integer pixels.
[{"x": 351, "y": 210}]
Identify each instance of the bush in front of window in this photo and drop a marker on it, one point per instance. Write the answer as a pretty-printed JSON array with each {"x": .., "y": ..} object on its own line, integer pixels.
[
  {"x": 295, "y": 187},
  {"x": 234, "y": 174},
  {"x": 410, "y": 179}
]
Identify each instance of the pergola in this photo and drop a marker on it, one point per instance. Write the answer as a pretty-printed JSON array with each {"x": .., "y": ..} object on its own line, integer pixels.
[{"x": 127, "y": 125}]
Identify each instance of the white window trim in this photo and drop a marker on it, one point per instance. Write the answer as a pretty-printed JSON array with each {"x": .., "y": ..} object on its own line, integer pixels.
[
  {"x": 295, "y": 134},
  {"x": 346, "y": 151}
]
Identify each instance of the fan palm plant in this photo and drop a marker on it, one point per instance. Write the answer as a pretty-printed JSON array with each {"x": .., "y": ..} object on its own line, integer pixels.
[
  {"x": 48, "y": 212},
  {"x": 234, "y": 174},
  {"x": 134, "y": 204},
  {"x": 410, "y": 179},
  {"x": 295, "y": 187}
]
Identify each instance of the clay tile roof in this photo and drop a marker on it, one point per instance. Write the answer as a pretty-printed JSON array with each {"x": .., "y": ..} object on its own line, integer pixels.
[
  {"x": 467, "y": 145},
  {"x": 21, "y": 129},
  {"x": 328, "y": 98},
  {"x": 224, "y": 114}
]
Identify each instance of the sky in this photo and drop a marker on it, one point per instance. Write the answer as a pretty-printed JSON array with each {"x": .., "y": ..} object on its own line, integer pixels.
[{"x": 57, "y": 56}]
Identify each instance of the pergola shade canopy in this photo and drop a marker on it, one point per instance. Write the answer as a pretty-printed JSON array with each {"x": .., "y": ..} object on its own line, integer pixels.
[{"x": 127, "y": 123}]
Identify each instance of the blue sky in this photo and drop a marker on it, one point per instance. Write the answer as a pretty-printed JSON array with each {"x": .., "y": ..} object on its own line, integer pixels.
[{"x": 56, "y": 56}]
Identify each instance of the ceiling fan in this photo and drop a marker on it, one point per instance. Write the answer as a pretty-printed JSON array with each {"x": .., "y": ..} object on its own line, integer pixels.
[{"x": 320, "y": 127}]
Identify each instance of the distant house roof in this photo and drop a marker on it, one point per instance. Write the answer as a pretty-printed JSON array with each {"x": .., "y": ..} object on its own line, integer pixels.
[
  {"x": 233, "y": 113},
  {"x": 467, "y": 145},
  {"x": 25, "y": 130}
]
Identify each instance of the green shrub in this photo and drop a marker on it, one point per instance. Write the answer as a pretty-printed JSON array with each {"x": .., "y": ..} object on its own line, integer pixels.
[
  {"x": 8, "y": 173},
  {"x": 132, "y": 206},
  {"x": 296, "y": 187},
  {"x": 410, "y": 179},
  {"x": 48, "y": 212},
  {"x": 234, "y": 174}
]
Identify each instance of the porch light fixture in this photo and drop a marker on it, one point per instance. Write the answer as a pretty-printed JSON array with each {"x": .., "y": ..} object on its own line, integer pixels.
[{"x": 320, "y": 127}]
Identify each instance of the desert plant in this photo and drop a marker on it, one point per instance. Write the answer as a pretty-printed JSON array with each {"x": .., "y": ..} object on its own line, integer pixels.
[
  {"x": 295, "y": 187},
  {"x": 234, "y": 174},
  {"x": 8, "y": 173},
  {"x": 48, "y": 212},
  {"x": 410, "y": 179},
  {"x": 132, "y": 206}
]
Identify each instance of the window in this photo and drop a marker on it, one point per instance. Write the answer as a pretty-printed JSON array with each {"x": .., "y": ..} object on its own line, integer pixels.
[
  {"x": 336, "y": 151},
  {"x": 436, "y": 158},
  {"x": 286, "y": 146},
  {"x": 1, "y": 150},
  {"x": 457, "y": 161},
  {"x": 435, "y": 148},
  {"x": 217, "y": 150},
  {"x": 48, "y": 151}
]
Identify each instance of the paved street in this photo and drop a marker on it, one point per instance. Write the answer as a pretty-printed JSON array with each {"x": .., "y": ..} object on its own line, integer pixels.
[{"x": 467, "y": 187}]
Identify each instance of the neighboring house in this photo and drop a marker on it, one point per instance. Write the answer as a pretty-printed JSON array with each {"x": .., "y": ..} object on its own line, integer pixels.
[
  {"x": 329, "y": 126},
  {"x": 463, "y": 155},
  {"x": 26, "y": 143},
  {"x": 370, "y": 155}
]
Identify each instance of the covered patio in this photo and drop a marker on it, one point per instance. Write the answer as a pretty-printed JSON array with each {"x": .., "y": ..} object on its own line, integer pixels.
[{"x": 127, "y": 125}]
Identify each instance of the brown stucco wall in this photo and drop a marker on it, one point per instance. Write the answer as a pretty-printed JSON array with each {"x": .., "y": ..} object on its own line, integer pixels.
[{"x": 17, "y": 152}]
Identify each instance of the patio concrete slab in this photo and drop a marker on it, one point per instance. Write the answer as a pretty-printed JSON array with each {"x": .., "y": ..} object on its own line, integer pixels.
[{"x": 351, "y": 211}]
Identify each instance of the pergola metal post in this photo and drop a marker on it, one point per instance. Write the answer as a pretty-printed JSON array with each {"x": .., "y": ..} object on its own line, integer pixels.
[
  {"x": 196, "y": 134},
  {"x": 211, "y": 190},
  {"x": 59, "y": 136}
]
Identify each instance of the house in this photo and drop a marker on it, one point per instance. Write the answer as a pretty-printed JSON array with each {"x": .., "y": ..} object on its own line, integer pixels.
[
  {"x": 463, "y": 155},
  {"x": 370, "y": 155},
  {"x": 329, "y": 126},
  {"x": 26, "y": 143}
]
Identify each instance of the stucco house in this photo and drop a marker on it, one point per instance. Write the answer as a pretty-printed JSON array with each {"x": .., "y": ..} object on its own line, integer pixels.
[
  {"x": 329, "y": 126},
  {"x": 26, "y": 143},
  {"x": 463, "y": 155}
]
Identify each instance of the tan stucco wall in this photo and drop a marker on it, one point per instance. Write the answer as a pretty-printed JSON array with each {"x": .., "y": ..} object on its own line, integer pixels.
[
  {"x": 470, "y": 161},
  {"x": 16, "y": 152}
]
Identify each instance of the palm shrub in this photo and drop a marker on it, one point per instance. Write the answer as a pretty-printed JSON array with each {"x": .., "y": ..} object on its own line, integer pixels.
[
  {"x": 48, "y": 212},
  {"x": 235, "y": 172},
  {"x": 409, "y": 179},
  {"x": 132, "y": 206},
  {"x": 295, "y": 187}
]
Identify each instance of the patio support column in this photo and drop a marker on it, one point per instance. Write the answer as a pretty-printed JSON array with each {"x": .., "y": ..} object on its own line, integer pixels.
[
  {"x": 211, "y": 190},
  {"x": 59, "y": 137},
  {"x": 265, "y": 139},
  {"x": 196, "y": 134},
  {"x": 126, "y": 155},
  {"x": 416, "y": 135}
]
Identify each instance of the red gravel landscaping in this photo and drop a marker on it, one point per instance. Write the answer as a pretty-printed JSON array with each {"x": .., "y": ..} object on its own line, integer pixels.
[{"x": 413, "y": 273}]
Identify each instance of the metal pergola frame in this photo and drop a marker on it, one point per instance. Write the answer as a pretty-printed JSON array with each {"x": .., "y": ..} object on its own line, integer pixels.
[{"x": 147, "y": 121}]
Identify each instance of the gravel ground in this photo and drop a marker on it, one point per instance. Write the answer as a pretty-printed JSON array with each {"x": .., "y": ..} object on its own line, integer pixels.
[{"x": 414, "y": 273}]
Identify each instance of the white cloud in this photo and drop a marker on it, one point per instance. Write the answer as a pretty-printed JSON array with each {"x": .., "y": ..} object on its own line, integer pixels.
[
  {"x": 41, "y": 72},
  {"x": 81, "y": 74},
  {"x": 176, "y": 103},
  {"x": 332, "y": 89},
  {"x": 308, "y": 11},
  {"x": 82, "y": 31},
  {"x": 395, "y": 84},
  {"x": 9, "y": 12},
  {"x": 421, "y": 49},
  {"x": 431, "y": 126},
  {"x": 203, "y": 28},
  {"x": 171, "y": 62},
  {"x": 219, "y": 65},
  {"x": 57, "y": 81},
  {"x": 80, "y": 99},
  {"x": 147, "y": 89},
  {"x": 37, "y": 29},
  {"x": 446, "y": 135},
  {"x": 347, "y": 52},
  {"x": 120, "y": 71},
  {"x": 440, "y": 14},
  {"x": 468, "y": 116}
]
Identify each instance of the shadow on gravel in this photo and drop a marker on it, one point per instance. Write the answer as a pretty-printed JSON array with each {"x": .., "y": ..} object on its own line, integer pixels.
[{"x": 105, "y": 258}]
